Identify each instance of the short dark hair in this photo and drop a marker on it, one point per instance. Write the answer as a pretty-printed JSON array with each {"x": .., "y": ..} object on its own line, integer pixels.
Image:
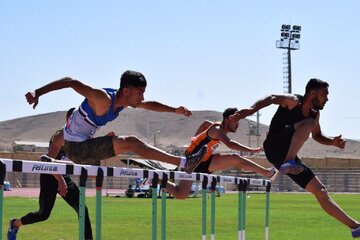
[
  {"x": 315, "y": 84},
  {"x": 228, "y": 112},
  {"x": 132, "y": 79}
]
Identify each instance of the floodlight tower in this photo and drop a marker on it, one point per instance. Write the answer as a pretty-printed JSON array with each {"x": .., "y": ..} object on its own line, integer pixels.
[{"x": 290, "y": 40}]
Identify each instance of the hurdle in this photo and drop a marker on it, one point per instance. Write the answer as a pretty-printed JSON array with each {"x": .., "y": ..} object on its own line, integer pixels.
[
  {"x": 10, "y": 165},
  {"x": 242, "y": 183}
]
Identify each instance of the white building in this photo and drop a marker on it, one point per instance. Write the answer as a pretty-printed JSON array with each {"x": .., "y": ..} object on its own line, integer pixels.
[{"x": 30, "y": 146}]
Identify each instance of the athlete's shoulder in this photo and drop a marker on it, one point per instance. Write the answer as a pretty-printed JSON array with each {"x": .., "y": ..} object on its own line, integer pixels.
[
  {"x": 110, "y": 90},
  {"x": 291, "y": 101},
  {"x": 56, "y": 133}
]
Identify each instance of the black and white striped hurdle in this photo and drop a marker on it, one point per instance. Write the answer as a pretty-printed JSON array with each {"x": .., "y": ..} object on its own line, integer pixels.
[{"x": 25, "y": 166}]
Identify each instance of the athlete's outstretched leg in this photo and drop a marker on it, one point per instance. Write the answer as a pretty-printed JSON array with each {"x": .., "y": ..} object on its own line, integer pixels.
[
  {"x": 328, "y": 204},
  {"x": 134, "y": 144},
  {"x": 224, "y": 161}
]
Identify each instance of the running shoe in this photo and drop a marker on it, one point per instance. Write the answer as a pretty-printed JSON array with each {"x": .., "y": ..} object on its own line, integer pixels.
[
  {"x": 291, "y": 167},
  {"x": 355, "y": 232},
  {"x": 193, "y": 160},
  {"x": 12, "y": 230}
]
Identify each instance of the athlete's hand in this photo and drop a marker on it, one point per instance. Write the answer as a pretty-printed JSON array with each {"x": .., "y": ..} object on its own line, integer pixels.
[
  {"x": 62, "y": 187},
  {"x": 183, "y": 110},
  {"x": 339, "y": 142},
  {"x": 31, "y": 98}
]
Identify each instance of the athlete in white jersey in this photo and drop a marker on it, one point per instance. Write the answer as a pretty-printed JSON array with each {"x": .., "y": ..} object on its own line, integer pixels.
[
  {"x": 102, "y": 106},
  {"x": 83, "y": 123}
]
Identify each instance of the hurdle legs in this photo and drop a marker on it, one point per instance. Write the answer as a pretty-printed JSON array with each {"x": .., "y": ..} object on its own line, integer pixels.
[
  {"x": 242, "y": 208},
  {"x": 83, "y": 178},
  {"x": 204, "y": 193},
  {"x": 243, "y": 232},
  {"x": 268, "y": 187},
  {"x": 99, "y": 182},
  {"x": 154, "y": 205},
  {"x": 163, "y": 206},
  {"x": 213, "y": 189}
]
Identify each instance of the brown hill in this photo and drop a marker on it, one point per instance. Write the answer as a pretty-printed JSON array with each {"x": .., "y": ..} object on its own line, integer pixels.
[{"x": 170, "y": 129}]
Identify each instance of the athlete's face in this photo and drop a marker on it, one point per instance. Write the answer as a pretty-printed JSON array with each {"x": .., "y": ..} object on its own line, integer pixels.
[
  {"x": 232, "y": 125},
  {"x": 320, "y": 98},
  {"x": 135, "y": 95}
]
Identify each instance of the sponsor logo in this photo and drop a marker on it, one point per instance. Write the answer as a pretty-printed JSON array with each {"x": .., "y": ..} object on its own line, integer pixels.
[
  {"x": 128, "y": 173},
  {"x": 229, "y": 180},
  {"x": 255, "y": 181},
  {"x": 188, "y": 176},
  {"x": 41, "y": 167}
]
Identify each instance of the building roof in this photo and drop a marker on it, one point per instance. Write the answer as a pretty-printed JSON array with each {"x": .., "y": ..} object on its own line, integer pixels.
[{"x": 32, "y": 143}]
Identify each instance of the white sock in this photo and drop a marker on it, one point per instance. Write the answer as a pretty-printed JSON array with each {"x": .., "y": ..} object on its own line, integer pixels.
[
  {"x": 182, "y": 162},
  {"x": 354, "y": 229}
]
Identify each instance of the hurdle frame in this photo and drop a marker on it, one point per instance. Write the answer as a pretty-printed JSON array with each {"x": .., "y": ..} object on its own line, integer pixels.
[{"x": 25, "y": 166}]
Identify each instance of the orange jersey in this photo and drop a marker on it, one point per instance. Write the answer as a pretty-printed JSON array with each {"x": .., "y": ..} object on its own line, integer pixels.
[{"x": 200, "y": 140}]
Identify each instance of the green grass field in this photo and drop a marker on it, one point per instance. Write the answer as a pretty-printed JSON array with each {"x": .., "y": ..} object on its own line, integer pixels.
[{"x": 292, "y": 217}]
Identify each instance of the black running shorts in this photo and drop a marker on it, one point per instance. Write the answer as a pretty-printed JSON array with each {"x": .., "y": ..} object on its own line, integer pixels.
[
  {"x": 90, "y": 151},
  {"x": 276, "y": 147},
  {"x": 203, "y": 167}
]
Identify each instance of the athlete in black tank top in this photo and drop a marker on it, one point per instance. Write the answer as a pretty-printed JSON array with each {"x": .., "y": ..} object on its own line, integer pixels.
[
  {"x": 296, "y": 118},
  {"x": 285, "y": 117}
]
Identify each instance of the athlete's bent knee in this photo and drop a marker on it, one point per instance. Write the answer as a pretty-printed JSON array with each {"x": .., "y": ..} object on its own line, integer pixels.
[
  {"x": 43, "y": 216},
  {"x": 322, "y": 193}
]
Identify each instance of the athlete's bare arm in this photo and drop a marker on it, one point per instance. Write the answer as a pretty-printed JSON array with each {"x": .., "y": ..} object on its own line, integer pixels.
[
  {"x": 56, "y": 144},
  {"x": 216, "y": 132},
  {"x": 318, "y": 136},
  {"x": 159, "y": 107},
  {"x": 98, "y": 99},
  {"x": 285, "y": 100}
]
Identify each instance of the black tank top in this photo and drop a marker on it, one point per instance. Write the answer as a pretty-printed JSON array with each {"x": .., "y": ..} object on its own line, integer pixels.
[{"x": 285, "y": 117}]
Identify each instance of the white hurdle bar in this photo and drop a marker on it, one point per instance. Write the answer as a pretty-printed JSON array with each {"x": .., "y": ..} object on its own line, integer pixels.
[{"x": 39, "y": 167}]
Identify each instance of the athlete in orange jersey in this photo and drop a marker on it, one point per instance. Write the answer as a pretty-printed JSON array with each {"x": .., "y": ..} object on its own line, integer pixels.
[{"x": 212, "y": 134}]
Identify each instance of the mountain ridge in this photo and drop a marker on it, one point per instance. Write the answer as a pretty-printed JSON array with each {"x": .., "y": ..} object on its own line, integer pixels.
[{"x": 166, "y": 129}]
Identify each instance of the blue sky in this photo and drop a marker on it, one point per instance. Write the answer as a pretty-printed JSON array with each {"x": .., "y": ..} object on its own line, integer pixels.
[{"x": 205, "y": 55}]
